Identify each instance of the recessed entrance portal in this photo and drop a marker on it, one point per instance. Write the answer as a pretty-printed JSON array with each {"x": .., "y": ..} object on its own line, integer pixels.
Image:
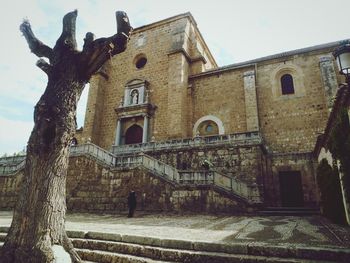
[
  {"x": 291, "y": 190},
  {"x": 133, "y": 134}
]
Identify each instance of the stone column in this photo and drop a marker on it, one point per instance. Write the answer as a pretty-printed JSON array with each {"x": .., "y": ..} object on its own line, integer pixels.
[
  {"x": 117, "y": 133},
  {"x": 145, "y": 129},
  {"x": 329, "y": 79},
  {"x": 251, "y": 106}
]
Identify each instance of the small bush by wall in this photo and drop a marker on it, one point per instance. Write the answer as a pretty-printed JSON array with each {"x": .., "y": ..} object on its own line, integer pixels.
[
  {"x": 331, "y": 197},
  {"x": 339, "y": 145}
]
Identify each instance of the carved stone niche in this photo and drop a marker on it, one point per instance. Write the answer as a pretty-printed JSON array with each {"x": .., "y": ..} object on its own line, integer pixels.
[
  {"x": 135, "y": 100},
  {"x": 135, "y": 93}
]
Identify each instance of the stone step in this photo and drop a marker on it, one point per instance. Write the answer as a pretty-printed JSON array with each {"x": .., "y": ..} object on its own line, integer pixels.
[
  {"x": 150, "y": 248},
  {"x": 112, "y": 257},
  {"x": 180, "y": 254},
  {"x": 183, "y": 256},
  {"x": 339, "y": 254}
]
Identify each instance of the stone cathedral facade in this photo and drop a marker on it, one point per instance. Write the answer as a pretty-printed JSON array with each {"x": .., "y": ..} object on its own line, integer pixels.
[
  {"x": 229, "y": 138},
  {"x": 255, "y": 121}
]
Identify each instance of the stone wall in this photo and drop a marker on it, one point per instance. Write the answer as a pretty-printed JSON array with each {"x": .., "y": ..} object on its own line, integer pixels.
[
  {"x": 221, "y": 95},
  {"x": 303, "y": 163},
  {"x": 9, "y": 187},
  {"x": 243, "y": 162},
  {"x": 92, "y": 186},
  {"x": 291, "y": 123},
  {"x": 95, "y": 188}
]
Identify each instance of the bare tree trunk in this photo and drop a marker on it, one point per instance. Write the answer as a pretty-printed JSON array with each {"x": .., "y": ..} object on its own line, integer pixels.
[{"x": 39, "y": 216}]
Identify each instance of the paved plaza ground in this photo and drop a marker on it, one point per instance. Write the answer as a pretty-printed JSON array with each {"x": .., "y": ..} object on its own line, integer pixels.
[{"x": 313, "y": 231}]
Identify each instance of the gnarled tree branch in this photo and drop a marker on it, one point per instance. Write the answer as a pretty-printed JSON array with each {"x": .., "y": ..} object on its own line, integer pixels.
[{"x": 35, "y": 45}]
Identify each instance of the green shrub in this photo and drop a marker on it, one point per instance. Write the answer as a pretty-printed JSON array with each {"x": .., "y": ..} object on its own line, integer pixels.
[
  {"x": 331, "y": 196},
  {"x": 339, "y": 145}
]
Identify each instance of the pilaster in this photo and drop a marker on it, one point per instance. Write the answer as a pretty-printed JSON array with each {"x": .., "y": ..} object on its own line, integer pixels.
[
  {"x": 329, "y": 79},
  {"x": 251, "y": 107}
]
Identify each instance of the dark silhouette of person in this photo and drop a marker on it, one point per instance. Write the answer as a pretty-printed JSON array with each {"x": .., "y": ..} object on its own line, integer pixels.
[
  {"x": 206, "y": 165},
  {"x": 131, "y": 203}
]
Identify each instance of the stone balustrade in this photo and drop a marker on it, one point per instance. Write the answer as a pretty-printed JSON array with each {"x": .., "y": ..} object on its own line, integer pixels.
[
  {"x": 250, "y": 193},
  {"x": 11, "y": 168},
  {"x": 11, "y": 160},
  {"x": 94, "y": 151},
  {"x": 247, "y": 138}
]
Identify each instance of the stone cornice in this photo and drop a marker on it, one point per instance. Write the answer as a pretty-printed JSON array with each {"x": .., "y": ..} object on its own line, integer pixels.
[
  {"x": 328, "y": 46},
  {"x": 187, "y": 56},
  {"x": 136, "y": 110}
]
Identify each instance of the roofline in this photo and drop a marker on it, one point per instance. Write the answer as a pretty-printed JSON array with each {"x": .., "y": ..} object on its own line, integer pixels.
[
  {"x": 174, "y": 18},
  {"x": 252, "y": 62},
  {"x": 165, "y": 21}
]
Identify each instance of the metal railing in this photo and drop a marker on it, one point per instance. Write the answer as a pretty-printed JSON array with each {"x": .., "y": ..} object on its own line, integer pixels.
[{"x": 247, "y": 138}]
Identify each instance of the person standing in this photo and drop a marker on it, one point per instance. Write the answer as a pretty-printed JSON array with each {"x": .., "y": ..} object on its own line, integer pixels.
[{"x": 131, "y": 203}]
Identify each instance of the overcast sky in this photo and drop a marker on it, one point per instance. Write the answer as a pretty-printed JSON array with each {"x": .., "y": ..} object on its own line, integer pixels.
[{"x": 235, "y": 31}]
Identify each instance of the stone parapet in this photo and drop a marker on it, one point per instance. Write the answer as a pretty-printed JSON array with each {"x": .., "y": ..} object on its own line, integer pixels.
[{"x": 237, "y": 139}]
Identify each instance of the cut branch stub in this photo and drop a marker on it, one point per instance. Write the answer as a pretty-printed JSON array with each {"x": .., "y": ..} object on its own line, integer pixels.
[
  {"x": 123, "y": 24},
  {"x": 89, "y": 37},
  {"x": 46, "y": 67},
  {"x": 35, "y": 45},
  {"x": 67, "y": 38}
]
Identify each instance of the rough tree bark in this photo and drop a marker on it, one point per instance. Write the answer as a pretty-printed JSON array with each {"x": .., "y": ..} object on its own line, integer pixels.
[{"x": 39, "y": 216}]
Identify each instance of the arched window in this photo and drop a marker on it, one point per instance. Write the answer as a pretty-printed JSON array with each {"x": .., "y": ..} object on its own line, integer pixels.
[
  {"x": 287, "y": 84},
  {"x": 133, "y": 134},
  {"x": 207, "y": 128}
]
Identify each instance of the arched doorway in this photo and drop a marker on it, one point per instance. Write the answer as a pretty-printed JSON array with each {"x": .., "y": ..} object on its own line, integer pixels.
[{"x": 133, "y": 134}]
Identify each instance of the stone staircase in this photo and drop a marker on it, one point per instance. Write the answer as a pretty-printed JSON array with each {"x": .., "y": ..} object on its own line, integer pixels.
[
  {"x": 107, "y": 248},
  {"x": 247, "y": 193}
]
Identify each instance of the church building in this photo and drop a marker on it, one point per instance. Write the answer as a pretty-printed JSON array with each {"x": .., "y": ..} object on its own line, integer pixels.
[{"x": 188, "y": 135}]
